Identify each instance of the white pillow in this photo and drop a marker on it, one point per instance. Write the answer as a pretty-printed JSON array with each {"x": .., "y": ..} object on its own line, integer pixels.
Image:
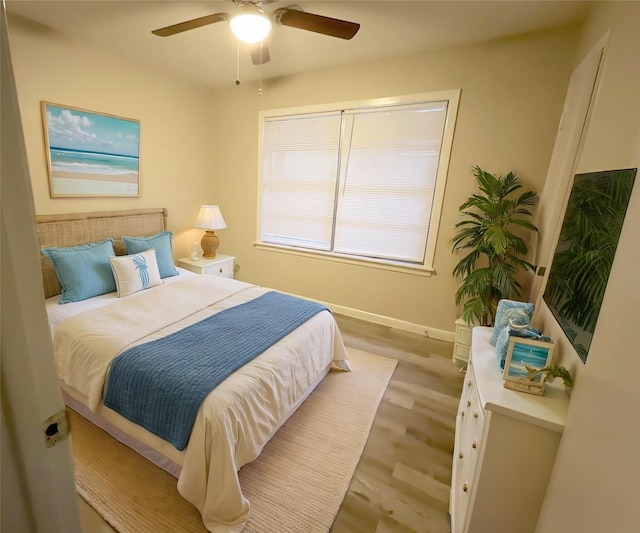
[{"x": 135, "y": 272}]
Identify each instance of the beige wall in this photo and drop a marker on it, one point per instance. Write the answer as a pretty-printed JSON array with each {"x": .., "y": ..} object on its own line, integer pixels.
[
  {"x": 176, "y": 164},
  {"x": 593, "y": 485},
  {"x": 201, "y": 147},
  {"x": 512, "y": 95}
]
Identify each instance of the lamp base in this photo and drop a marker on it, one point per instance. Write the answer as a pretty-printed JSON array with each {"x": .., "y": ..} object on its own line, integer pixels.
[{"x": 209, "y": 243}]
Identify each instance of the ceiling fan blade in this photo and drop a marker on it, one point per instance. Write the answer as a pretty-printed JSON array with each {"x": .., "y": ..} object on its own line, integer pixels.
[
  {"x": 258, "y": 58},
  {"x": 190, "y": 25},
  {"x": 317, "y": 23}
]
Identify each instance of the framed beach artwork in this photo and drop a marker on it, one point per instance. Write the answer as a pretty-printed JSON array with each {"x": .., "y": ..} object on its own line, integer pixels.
[
  {"x": 523, "y": 356},
  {"x": 89, "y": 153}
]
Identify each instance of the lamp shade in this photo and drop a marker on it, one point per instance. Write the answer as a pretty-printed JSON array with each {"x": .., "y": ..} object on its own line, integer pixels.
[
  {"x": 250, "y": 25},
  {"x": 210, "y": 217}
]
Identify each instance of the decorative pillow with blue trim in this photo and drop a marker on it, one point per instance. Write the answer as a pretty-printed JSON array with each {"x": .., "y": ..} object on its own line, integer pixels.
[
  {"x": 164, "y": 252},
  {"x": 507, "y": 310},
  {"x": 84, "y": 271},
  {"x": 135, "y": 272}
]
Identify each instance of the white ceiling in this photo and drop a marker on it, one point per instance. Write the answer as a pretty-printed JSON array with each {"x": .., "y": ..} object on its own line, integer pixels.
[{"x": 207, "y": 55}]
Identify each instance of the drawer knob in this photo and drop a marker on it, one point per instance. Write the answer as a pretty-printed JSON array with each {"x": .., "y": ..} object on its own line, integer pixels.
[
  {"x": 475, "y": 415},
  {"x": 469, "y": 383},
  {"x": 220, "y": 271},
  {"x": 468, "y": 403},
  {"x": 465, "y": 487},
  {"x": 460, "y": 455},
  {"x": 474, "y": 444},
  {"x": 462, "y": 414}
]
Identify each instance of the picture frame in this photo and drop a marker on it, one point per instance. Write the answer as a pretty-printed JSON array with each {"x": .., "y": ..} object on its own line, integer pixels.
[
  {"x": 523, "y": 352},
  {"x": 90, "y": 153}
]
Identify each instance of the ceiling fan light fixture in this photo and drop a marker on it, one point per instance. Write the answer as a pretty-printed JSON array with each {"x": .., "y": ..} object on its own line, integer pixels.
[{"x": 251, "y": 25}]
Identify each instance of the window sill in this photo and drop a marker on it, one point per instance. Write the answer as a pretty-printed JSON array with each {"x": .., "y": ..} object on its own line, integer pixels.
[{"x": 418, "y": 270}]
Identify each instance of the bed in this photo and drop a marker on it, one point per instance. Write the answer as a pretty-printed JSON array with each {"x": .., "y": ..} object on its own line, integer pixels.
[{"x": 93, "y": 335}]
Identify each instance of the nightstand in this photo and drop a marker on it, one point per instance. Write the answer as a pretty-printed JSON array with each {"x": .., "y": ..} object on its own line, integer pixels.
[
  {"x": 463, "y": 342},
  {"x": 220, "y": 265}
]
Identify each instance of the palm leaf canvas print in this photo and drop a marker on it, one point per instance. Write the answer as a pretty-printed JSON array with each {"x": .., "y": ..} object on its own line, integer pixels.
[
  {"x": 585, "y": 251},
  {"x": 91, "y": 154}
]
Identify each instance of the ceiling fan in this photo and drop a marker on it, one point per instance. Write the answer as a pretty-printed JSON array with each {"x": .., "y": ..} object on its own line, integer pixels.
[{"x": 251, "y": 25}]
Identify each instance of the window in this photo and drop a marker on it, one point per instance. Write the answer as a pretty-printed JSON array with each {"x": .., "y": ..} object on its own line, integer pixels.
[{"x": 364, "y": 181}]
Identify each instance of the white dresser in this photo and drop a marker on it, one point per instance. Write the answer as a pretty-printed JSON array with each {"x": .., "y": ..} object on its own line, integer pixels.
[{"x": 505, "y": 445}]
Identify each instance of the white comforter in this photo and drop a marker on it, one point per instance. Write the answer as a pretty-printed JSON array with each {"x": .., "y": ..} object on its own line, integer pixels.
[{"x": 239, "y": 416}]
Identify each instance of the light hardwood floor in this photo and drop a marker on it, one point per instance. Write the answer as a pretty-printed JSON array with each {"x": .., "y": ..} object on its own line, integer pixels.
[
  {"x": 403, "y": 478},
  {"x": 402, "y": 481}
]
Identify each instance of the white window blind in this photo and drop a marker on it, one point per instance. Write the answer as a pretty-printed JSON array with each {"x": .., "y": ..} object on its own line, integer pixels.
[
  {"x": 359, "y": 182},
  {"x": 299, "y": 180},
  {"x": 389, "y": 166}
]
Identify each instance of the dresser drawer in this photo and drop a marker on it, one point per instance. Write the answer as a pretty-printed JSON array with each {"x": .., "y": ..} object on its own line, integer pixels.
[
  {"x": 472, "y": 417},
  {"x": 474, "y": 411},
  {"x": 459, "y": 500},
  {"x": 469, "y": 407}
]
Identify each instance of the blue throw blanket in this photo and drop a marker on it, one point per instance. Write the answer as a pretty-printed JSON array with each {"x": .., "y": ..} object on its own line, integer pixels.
[{"x": 160, "y": 385}]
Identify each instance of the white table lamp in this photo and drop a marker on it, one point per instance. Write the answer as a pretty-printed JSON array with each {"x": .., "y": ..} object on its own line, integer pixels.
[{"x": 210, "y": 219}]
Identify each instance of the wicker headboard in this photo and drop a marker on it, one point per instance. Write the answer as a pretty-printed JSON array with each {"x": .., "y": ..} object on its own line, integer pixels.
[{"x": 81, "y": 228}]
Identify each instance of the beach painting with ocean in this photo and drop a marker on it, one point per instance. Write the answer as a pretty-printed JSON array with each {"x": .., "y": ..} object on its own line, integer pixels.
[
  {"x": 91, "y": 154},
  {"x": 525, "y": 352}
]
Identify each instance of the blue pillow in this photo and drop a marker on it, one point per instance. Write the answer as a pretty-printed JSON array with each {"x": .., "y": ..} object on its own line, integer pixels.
[
  {"x": 84, "y": 271},
  {"x": 505, "y": 312},
  {"x": 164, "y": 252}
]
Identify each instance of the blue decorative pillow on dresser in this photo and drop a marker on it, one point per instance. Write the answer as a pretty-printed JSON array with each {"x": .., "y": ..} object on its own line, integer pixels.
[
  {"x": 507, "y": 310},
  {"x": 164, "y": 252},
  {"x": 84, "y": 271}
]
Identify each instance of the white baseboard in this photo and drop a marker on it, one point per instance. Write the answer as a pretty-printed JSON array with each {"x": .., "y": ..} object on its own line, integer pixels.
[{"x": 431, "y": 333}]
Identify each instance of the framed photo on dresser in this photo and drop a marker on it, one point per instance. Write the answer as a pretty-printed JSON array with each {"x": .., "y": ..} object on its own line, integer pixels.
[{"x": 523, "y": 356}]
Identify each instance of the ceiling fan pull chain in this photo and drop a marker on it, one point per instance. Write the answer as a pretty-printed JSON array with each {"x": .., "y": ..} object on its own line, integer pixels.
[
  {"x": 260, "y": 72},
  {"x": 237, "y": 61}
]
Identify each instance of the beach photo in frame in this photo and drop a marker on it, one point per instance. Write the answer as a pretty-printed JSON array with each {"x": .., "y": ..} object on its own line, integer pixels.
[
  {"x": 522, "y": 353},
  {"x": 90, "y": 153}
]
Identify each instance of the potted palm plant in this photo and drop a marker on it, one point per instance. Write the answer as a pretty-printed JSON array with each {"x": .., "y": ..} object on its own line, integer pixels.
[{"x": 492, "y": 236}]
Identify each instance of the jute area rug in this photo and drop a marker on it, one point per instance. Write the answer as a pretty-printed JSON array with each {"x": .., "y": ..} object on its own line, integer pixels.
[{"x": 296, "y": 485}]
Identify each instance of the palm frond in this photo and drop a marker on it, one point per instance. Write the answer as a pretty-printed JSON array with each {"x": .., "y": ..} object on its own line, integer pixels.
[{"x": 467, "y": 264}]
